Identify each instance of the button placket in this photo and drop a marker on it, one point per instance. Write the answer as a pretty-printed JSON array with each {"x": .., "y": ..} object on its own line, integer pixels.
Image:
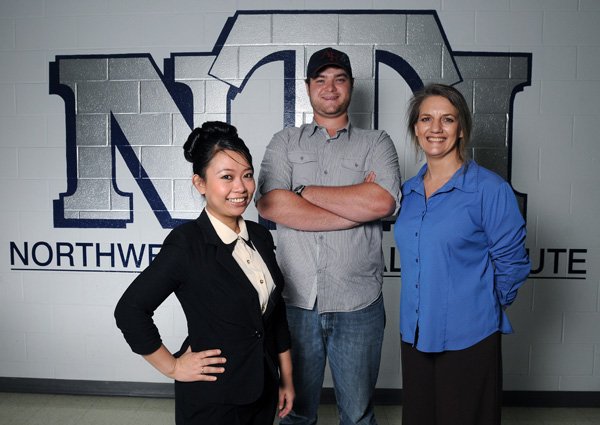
[{"x": 417, "y": 284}]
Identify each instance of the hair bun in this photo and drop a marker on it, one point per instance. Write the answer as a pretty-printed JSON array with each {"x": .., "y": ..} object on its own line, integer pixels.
[
  {"x": 209, "y": 130},
  {"x": 219, "y": 128},
  {"x": 191, "y": 144}
]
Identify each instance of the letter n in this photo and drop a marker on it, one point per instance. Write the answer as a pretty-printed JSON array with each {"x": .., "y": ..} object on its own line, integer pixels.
[{"x": 118, "y": 103}]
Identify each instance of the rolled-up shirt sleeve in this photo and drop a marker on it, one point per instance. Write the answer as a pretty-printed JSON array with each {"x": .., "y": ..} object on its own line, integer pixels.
[
  {"x": 384, "y": 162},
  {"x": 505, "y": 228},
  {"x": 275, "y": 169}
]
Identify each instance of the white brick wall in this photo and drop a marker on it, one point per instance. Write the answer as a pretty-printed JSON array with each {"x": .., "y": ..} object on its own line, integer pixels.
[{"x": 60, "y": 325}]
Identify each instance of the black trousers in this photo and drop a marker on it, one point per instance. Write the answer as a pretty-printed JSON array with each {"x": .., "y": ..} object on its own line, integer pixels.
[
  {"x": 260, "y": 412},
  {"x": 461, "y": 387}
]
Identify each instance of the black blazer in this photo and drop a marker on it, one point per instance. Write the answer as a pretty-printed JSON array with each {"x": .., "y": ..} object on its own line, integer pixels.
[{"x": 221, "y": 307}]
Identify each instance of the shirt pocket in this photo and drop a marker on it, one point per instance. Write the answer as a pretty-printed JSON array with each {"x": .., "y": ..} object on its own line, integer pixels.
[
  {"x": 304, "y": 167},
  {"x": 352, "y": 171}
]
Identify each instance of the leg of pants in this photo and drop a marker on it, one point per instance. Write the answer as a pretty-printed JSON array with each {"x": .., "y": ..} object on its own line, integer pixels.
[
  {"x": 461, "y": 387},
  {"x": 308, "y": 360},
  {"x": 469, "y": 384},
  {"x": 259, "y": 412},
  {"x": 354, "y": 342},
  {"x": 418, "y": 386}
]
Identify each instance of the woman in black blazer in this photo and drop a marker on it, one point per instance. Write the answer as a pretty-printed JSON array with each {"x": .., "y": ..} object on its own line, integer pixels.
[{"x": 235, "y": 365}]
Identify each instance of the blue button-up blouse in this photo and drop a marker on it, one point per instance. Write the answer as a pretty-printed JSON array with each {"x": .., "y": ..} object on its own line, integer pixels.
[{"x": 463, "y": 258}]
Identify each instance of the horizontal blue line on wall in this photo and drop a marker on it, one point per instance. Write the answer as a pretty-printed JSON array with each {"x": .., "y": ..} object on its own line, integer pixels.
[
  {"x": 75, "y": 270},
  {"x": 557, "y": 277},
  {"x": 138, "y": 271}
]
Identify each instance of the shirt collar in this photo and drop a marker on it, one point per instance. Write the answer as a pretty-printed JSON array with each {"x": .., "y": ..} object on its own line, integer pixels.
[
  {"x": 464, "y": 179},
  {"x": 227, "y": 235},
  {"x": 416, "y": 183},
  {"x": 314, "y": 127}
]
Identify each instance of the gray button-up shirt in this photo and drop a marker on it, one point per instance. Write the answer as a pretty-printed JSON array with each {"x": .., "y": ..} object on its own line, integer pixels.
[{"x": 341, "y": 270}]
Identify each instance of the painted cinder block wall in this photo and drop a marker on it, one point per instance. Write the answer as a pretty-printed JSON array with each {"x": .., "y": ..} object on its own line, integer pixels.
[{"x": 59, "y": 325}]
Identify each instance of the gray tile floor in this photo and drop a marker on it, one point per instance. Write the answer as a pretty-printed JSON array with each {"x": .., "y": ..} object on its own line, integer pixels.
[{"x": 40, "y": 409}]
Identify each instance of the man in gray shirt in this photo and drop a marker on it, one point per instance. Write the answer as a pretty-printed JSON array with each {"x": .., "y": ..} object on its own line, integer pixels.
[{"x": 327, "y": 185}]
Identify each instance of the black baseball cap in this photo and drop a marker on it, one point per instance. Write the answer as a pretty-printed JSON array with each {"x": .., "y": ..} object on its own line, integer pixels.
[{"x": 327, "y": 57}]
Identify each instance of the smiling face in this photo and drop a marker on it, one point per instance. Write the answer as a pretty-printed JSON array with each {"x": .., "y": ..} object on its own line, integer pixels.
[
  {"x": 330, "y": 93},
  {"x": 437, "y": 128},
  {"x": 227, "y": 187}
]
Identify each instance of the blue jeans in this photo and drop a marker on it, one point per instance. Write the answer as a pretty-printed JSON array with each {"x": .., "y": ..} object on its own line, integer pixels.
[{"x": 352, "y": 343}]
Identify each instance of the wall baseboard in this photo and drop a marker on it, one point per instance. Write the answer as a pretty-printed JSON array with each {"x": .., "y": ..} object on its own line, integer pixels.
[
  {"x": 81, "y": 387},
  {"x": 383, "y": 396}
]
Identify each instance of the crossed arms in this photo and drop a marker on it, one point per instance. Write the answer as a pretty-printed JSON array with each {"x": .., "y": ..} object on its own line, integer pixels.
[{"x": 326, "y": 208}]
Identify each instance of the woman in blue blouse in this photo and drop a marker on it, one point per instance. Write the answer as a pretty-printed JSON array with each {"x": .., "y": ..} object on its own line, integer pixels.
[{"x": 461, "y": 240}]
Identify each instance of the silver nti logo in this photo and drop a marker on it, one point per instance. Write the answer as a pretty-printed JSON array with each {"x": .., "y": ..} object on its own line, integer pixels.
[{"x": 123, "y": 105}]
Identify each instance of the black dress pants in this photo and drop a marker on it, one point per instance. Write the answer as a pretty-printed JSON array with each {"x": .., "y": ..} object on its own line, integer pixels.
[
  {"x": 260, "y": 412},
  {"x": 461, "y": 387}
]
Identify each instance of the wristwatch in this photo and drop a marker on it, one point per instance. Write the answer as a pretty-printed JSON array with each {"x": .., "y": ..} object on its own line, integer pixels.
[{"x": 298, "y": 189}]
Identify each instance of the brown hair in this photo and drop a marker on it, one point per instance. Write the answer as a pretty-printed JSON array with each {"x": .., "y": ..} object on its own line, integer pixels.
[{"x": 456, "y": 99}]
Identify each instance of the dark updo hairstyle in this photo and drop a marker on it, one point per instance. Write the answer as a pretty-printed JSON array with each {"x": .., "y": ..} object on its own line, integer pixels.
[
  {"x": 213, "y": 137},
  {"x": 456, "y": 99}
]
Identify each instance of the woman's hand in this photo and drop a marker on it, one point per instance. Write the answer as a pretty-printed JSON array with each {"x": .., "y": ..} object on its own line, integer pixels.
[
  {"x": 200, "y": 366},
  {"x": 286, "y": 399},
  {"x": 286, "y": 384},
  {"x": 190, "y": 366}
]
